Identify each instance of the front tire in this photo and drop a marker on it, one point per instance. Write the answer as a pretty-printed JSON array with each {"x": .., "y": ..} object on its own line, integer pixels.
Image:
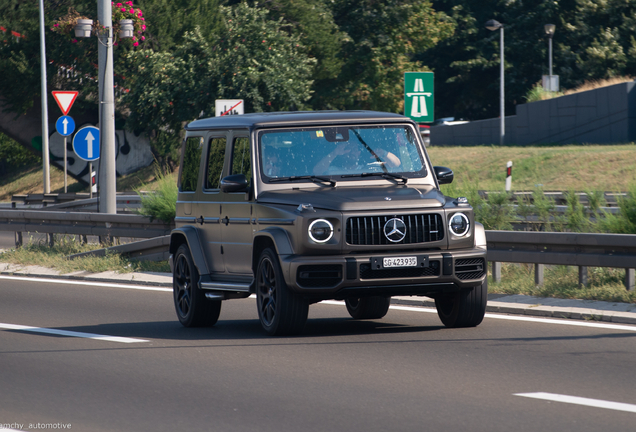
[
  {"x": 373, "y": 307},
  {"x": 193, "y": 309},
  {"x": 280, "y": 310},
  {"x": 465, "y": 308}
]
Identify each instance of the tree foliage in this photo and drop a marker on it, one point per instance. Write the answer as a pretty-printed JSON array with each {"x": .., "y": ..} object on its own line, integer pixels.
[{"x": 593, "y": 40}]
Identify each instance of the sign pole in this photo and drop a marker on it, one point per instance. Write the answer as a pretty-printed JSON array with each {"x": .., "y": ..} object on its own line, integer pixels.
[
  {"x": 90, "y": 175},
  {"x": 65, "y": 166}
]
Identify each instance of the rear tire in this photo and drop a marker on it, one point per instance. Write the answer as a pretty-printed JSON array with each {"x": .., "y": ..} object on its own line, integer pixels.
[
  {"x": 465, "y": 308},
  {"x": 280, "y": 310},
  {"x": 373, "y": 307},
  {"x": 193, "y": 309}
]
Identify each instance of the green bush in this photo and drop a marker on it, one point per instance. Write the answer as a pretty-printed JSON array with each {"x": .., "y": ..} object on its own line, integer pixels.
[{"x": 160, "y": 203}]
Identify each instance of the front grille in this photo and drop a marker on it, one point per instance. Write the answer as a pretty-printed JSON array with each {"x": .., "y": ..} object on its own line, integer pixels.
[
  {"x": 470, "y": 268},
  {"x": 366, "y": 272},
  {"x": 369, "y": 230},
  {"x": 319, "y": 276}
]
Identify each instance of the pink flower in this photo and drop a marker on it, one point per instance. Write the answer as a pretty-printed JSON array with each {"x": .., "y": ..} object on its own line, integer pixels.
[
  {"x": 143, "y": 26},
  {"x": 136, "y": 44},
  {"x": 74, "y": 40},
  {"x": 132, "y": 11},
  {"x": 143, "y": 19},
  {"x": 143, "y": 38},
  {"x": 123, "y": 9},
  {"x": 55, "y": 25},
  {"x": 119, "y": 5}
]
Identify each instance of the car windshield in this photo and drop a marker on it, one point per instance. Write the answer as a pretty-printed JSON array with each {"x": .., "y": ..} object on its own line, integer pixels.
[{"x": 340, "y": 153}]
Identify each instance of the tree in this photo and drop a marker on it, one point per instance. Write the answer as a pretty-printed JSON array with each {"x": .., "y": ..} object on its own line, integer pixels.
[
  {"x": 251, "y": 59},
  {"x": 382, "y": 38}
]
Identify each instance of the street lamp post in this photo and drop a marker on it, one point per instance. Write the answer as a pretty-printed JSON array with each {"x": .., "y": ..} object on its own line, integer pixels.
[
  {"x": 549, "y": 31},
  {"x": 107, "y": 172},
  {"x": 496, "y": 25},
  {"x": 45, "y": 117}
]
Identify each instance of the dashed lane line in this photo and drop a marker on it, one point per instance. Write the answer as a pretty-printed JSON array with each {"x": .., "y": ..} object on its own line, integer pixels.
[
  {"x": 596, "y": 403},
  {"x": 70, "y": 333}
]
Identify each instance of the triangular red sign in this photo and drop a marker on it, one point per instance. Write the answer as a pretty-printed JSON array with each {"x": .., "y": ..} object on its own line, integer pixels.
[{"x": 65, "y": 99}]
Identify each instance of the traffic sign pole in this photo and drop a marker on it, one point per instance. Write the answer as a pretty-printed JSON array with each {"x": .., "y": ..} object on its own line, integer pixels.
[{"x": 65, "y": 126}]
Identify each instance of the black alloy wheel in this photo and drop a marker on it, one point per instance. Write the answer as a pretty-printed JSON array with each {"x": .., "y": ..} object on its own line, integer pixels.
[
  {"x": 193, "y": 309},
  {"x": 465, "y": 308},
  {"x": 373, "y": 307},
  {"x": 281, "y": 311}
]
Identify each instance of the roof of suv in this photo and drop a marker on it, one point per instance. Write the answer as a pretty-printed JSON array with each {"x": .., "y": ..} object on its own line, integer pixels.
[{"x": 282, "y": 119}]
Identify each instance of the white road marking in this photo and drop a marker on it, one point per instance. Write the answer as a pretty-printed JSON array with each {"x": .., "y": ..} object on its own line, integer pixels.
[
  {"x": 70, "y": 333},
  {"x": 597, "y": 403},
  {"x": 341, "y": 303},
  {"x": 514, "y": 318},
  {"x": 87, "y": 283}
]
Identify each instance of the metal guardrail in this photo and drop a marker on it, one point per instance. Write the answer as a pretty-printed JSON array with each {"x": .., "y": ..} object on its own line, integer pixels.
[
  {"x": 558, "y": 197},
  {"x": 531, "y": 247},
  {"x": 572, "y": 249},
  {"x": 79, "y": 223},
  {"x": 156, "y": 249},
  {"x": 72, "y": 202}
]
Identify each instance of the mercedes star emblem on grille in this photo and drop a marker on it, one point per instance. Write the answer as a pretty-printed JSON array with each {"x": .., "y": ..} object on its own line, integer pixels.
[{"x": 395, "y": 230}]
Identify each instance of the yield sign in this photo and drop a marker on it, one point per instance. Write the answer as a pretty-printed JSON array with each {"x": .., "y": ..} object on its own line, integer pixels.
[{"x": 65, "y": 100}]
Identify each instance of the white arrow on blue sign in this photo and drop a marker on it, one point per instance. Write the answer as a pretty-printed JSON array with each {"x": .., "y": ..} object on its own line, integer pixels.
[
  {"x": 65, "y": 125},
  {"x": 86, "y": 143}
]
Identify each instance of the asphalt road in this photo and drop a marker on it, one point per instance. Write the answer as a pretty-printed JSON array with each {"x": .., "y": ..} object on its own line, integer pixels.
[{"x": 402, "y": 373}]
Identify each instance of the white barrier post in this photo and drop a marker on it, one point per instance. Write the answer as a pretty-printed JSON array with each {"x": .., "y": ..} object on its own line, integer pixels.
[{"x": 508, "y": 176}]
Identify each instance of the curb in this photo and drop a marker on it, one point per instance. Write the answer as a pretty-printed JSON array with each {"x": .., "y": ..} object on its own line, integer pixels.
[
  {"x": 538, "y": 311},
  {"x": 87, "y": 279}
]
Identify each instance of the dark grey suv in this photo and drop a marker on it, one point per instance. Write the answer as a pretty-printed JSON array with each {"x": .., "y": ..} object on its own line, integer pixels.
[{"x": 301, "y": 207}]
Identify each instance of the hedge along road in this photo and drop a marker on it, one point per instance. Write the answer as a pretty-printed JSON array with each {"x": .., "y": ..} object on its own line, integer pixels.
[{"x": 404, "y": 372}]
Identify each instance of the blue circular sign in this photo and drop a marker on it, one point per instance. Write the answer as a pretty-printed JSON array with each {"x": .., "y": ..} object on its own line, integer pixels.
[
  {"x": 65, "y": 125},
  {"x": 86, "y": 143}
]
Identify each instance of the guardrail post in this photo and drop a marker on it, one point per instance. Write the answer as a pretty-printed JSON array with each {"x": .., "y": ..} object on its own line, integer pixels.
[
  {"x": 18, "y": 239},
  {"x": 51, "y": 238},
  {"x": 582, "y": 276},
  {"x": 496, "y": 271},
  {"x": 538, "y": 274},
  {"x": 629, "y": 279}
]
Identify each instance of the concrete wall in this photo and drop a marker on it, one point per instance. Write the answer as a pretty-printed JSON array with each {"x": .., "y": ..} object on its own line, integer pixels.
[{"x": 601, "y": 116}]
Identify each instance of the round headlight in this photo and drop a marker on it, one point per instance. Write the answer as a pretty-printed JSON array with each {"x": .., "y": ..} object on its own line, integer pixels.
[
  {"x": 320, "y": 230},
  {"x": 459, "y": 224}
]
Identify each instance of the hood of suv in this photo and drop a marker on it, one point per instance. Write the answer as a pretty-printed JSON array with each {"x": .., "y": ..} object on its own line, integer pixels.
[{"x": 358, "y": 198}]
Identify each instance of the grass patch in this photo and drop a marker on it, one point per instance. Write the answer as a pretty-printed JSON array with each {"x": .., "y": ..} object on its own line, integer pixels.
[
  {"x": 55, "y": 257},
  {"x": 161, "y": 202},
  {"x": 604, "y": 284},
  {"x": 560, "y": 168}
]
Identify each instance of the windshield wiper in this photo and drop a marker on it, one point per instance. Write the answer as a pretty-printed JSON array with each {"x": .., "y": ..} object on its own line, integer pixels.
[
  {"x": 313, "y": 178},
  {"x": 386, "y": 175}
]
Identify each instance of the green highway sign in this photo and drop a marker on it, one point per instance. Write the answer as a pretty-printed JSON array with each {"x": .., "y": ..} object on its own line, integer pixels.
[{"x": 419, "y": 96}]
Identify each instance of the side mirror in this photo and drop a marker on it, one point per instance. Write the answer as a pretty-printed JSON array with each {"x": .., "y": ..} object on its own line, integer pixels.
[
  {"x": 444, "y": 175},
  {"x": 234, "y": 183}
]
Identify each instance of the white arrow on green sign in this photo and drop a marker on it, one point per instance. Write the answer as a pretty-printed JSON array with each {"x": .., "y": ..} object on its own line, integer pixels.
[{"x": 419, "y": 96}]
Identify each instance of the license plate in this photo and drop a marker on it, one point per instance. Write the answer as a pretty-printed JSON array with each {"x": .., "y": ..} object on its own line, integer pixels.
[{"x": 399, "y": 262}]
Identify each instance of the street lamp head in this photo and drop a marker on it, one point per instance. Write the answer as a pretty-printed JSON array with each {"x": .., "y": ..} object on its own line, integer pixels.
[
  {"x": 493, "y": 25},
  {"x": 83, "y": 28},
  {"x": 549, "y": 30}
]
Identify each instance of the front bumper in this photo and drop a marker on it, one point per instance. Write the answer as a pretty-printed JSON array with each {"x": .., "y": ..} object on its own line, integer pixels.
[{"x": 342, "y": 276}]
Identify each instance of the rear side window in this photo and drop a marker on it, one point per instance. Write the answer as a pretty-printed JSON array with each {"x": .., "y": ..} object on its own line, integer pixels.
[
  {"x": 216, "y": 156},
  {"x": 191, "y": 164},
  {"x": 241, "y": 158}
]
